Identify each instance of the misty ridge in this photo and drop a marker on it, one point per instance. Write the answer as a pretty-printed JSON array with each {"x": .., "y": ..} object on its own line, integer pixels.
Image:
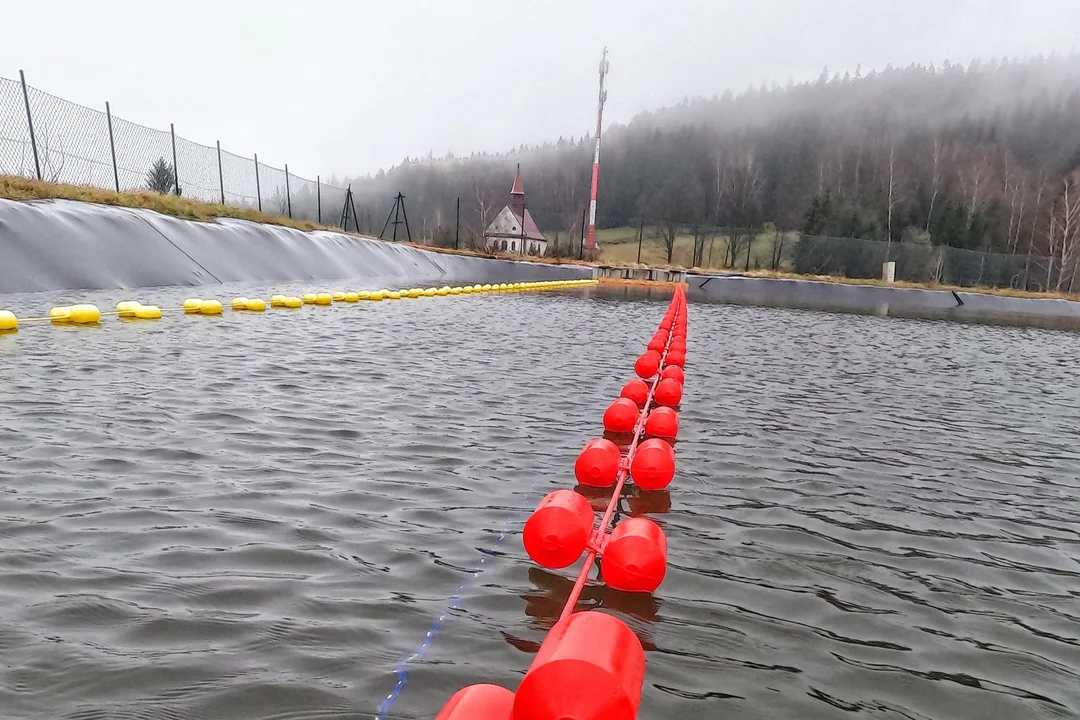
[{"x": 983, "y": 157}]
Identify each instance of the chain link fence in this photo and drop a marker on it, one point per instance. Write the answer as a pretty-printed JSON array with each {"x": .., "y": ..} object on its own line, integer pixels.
[{"x": 46, "y": 137}]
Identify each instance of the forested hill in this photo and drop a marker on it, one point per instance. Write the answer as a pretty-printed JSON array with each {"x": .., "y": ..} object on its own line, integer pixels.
[{"x": 975, "y": 156}]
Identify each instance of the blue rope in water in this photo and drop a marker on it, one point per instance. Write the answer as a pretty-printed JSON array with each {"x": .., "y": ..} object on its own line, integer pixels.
[{"x": 455, "y": 601}]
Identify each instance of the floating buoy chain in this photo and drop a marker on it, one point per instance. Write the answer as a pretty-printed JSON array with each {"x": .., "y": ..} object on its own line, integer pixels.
[
  {"x": 591, "y": 666},
  {"x": 88, "y": 314}
]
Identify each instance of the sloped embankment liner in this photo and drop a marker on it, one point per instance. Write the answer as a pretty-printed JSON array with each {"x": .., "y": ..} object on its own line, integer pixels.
[
  {"x": 877, "y": 300},
  {"x": 62, "y": 244}
]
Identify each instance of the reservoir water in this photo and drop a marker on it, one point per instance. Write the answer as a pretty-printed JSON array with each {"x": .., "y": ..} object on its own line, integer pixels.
[{"x": 258, "y": 516}]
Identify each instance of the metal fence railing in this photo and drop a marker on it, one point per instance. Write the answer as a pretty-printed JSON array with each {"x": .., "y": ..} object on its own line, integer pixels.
[{"x": 46, "y": 137}]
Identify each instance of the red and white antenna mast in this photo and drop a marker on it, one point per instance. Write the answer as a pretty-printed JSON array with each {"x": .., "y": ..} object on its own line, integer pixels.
[{"x": 596, "y": 154}]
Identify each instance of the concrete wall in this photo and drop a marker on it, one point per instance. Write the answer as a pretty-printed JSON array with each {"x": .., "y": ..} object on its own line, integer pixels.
[
  {"x": 59, "y": 244},
  {"x": 891, "y": 301}
]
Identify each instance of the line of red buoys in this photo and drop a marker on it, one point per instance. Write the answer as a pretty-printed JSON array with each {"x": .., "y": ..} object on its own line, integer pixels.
[{"x": 591, "y": 666}]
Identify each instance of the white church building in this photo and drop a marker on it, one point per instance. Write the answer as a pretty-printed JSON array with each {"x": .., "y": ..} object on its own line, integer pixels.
[{"x": 513, "y": 229}]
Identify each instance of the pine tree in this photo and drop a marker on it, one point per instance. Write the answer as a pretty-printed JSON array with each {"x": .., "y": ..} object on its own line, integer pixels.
[{"x": 161, "y": 178}]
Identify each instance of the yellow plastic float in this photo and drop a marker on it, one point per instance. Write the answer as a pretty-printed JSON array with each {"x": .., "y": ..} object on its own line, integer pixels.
[
  {"x": 339, "y": 296},
  {"x": 256, "y": 304},
  {"x": 239, "y": 303},
  {"x": 350, "y": 297},
  {"x": 455, "y": 290},
  {"x": 309, "y": 298},
  {"x": 294, "y": 302},
  {"x": 415, "y": 292},
  {"x": 393, "y": 295},
  {"x": 85, "y": 314},
  {"x": 377, "y": 295},
  {"x": 324, "y": 299},
  {"x": 127, "y": 308},
  {"x": 60, "y": 314},
  {"x": 277, "y": 301},
  {"x": 8, "y": 321},
  {"x": 148, "y": 312},
  {"x": 193, "y": 305},
  {"x": 467, "y": 290},
  {"x": 210, "y": 307},
  {"x": 431, "y": 292}
]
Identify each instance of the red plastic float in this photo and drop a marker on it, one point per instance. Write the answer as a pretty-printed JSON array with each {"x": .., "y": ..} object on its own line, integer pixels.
[
  {"x": 636, "y": 390},
  {"x": 669, "y": 392},
  {"x": 647, "y": 365},
  {"x": 559, "y": 529},
  {"x": 674, "y": 372},
  {"x": 663, "y": 422},
  {"x": 621, "y": 416},
  {"x": 479, "y": 702},
  {"x": 598, "y": 463},
  {"x": 653, "y": 465},
  {"x": 635, "y": 557},
  {"x": 591, "y": 666}
]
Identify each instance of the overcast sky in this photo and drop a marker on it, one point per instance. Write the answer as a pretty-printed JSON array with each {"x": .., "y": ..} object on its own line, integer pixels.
[{"x": 349, "y": 86}]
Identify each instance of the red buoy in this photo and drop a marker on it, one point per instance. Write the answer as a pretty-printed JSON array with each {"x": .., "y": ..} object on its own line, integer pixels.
[
  {"x": 647, "y": 365},
  {"x": 559, "y": 529},
  {"x": 598, "y": 463},
  {"x": 635, "y": 559},
  {"x": 479, "y": 702},
  {"x": 676, "y": 358},
  {"x": 654, "y": 465},
  {"x": 637, "y": 391},
  {"x": 621, "y": 416},
  {"x": 668, "y": 392},
  {"x": 662, "y": 422},
  {"x": 674, "y": 372},
  {"x": 657, "y": 344},
  {"x": 590, "y": 667},
  {"x": 678, "y": 346}
]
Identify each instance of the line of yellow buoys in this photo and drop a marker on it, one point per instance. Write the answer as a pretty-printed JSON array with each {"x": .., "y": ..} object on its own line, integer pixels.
[{"x": 89, "y": 314}]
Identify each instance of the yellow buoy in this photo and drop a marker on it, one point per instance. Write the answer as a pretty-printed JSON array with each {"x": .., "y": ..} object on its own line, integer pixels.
[
  {"x": 485, "y": 287},
  {"x": 377, "y": 295},
  {"x": 415, "y": 292},
  {"x": 339, "y": 296},
  {"x": 455, "y": 290},
  {"x": 309, "y": 298},
  {"x": 256, "y": 304},
  {"x": 443, "y": 291},
  {"x": 294, "y": 302},
  {"x": 430, "y": 292},
  {"x": 350, "y": 297},
  {"x": 393, "y": 295},
  {"x": 85, "y": 314},
  {"x": 8, "y": 321},
  {"x": 277, "y": 301},
  {"x": 363, "y": 295},
  {"x": 193, "y": 305},
  {"x": 127, "y": 308},
  {"x": 324, "y": 299},
  {"x": 148, "y": 312},
  {"x": 239, "y": 303},
  {"x": 210, "y": 307},
  {"x": 60, "y": 314},
  {"x": 467, "y": 290}
]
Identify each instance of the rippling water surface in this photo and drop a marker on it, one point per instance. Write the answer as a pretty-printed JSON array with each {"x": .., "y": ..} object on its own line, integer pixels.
[{"x": 259, "y": 516}]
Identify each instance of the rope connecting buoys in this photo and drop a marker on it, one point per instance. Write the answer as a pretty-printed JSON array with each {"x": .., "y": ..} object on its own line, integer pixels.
[{"x": 591, "y": 666}]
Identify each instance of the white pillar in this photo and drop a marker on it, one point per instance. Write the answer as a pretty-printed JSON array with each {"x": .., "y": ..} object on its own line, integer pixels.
[{"x": 888, "y": 271}]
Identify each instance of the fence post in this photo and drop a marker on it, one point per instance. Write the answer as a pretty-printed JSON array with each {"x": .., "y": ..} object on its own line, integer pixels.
[
  {"x": 258, "y": 190},
  {"x": 175, "y": 169},
  {"x": 112, "y": 147},
  {"x": 288, "y": 192},
  {"x": 640, "y": 232},
  {"x": 220, "y": 174},
  {"x": 318, "y": 195},
  {"x": 30, "y": 123},
  {"x": 457, "y": 225}
]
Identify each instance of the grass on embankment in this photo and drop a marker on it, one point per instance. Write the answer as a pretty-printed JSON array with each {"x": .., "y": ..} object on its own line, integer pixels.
[{"x": 20, "y": 188}]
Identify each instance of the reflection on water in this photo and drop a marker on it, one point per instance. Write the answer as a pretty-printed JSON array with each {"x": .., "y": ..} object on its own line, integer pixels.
[{"x": 257, "y": 517}]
